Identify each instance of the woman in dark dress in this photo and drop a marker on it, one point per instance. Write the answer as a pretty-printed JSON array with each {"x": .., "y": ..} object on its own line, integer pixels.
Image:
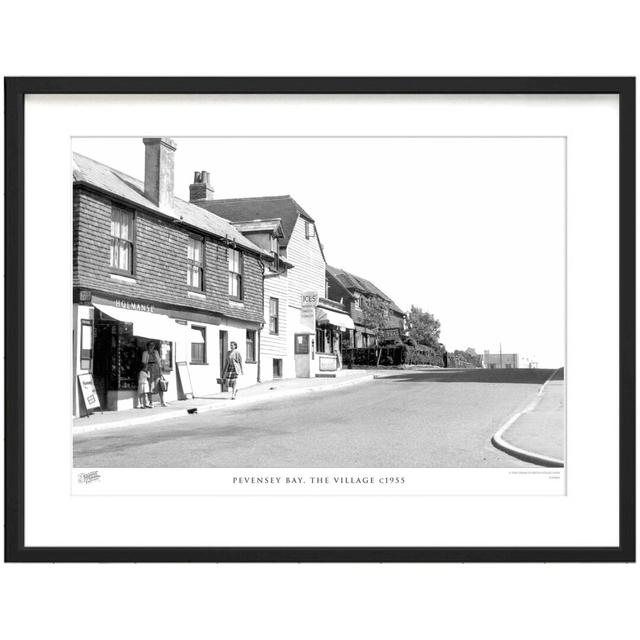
[{"x": 232, "y": 369}]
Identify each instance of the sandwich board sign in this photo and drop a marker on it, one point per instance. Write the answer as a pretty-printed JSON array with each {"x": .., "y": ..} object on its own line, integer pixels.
[
  {"x": 184, "y": 377},
  {"x": 89, "y": 395}
]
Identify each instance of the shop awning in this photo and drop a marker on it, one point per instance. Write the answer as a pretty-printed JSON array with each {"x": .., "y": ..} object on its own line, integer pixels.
[
  {"x": 337, "y": 319},
  {"x": 154, "y": 326}
]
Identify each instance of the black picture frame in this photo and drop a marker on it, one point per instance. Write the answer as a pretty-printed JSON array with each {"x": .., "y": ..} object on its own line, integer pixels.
[{"x": 15, "y": 91}]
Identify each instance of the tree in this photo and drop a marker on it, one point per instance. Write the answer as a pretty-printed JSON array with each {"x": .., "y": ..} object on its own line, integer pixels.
[
  {"x": 424, "y": 327},
  {"x": 375, "y": 313}
]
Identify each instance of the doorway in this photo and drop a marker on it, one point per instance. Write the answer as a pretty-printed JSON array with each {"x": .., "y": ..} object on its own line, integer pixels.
[
  {"x": 224, "y": 347},
  {"x": 277, "y": 367}
]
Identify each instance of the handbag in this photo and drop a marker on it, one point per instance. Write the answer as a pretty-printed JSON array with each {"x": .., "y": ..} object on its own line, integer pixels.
[
  {"x": 219, "y": 380},
  {"x": 164, "y": 384}
]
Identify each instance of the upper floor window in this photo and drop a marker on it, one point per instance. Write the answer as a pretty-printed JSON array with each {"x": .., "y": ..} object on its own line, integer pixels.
[
  {"x": 195, "y": 263},
  {"x": 121, "y": 240},
  {"x": 309, "y": 229},
  {"x": 274, "y": 315},
  {"x": 357, "y": 300},
  {"x": 235, "y": 274},
  {"x": 275, "y": 264}
]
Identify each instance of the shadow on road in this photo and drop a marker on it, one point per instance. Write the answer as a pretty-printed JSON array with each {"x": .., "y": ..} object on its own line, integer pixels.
[{"x": 497, "y": 376}]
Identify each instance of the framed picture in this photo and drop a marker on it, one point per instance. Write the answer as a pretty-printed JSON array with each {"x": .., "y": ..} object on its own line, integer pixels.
[{"x": 406, "y": 308}]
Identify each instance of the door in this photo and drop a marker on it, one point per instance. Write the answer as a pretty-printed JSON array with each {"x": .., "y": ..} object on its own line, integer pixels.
[
  {"x": 102, "y": 350},
  {"x": 224, "y": 347}
]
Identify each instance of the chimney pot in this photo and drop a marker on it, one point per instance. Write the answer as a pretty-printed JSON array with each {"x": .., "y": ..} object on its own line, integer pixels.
[{"x": 200, "y": 189}]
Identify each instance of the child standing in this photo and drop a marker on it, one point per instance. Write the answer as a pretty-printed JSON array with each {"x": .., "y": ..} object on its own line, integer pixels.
[{"x": 143, "y": 387}]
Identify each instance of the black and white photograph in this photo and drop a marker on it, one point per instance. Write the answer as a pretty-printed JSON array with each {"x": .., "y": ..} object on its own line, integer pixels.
[
  {"x": 319, "y": 302},
  {"x": 355, "y": 316}
]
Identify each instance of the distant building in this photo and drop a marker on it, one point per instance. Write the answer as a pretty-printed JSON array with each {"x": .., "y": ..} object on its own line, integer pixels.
[
  {"x": 508, "y": 361},
  {"x": 500, "y": 360}
]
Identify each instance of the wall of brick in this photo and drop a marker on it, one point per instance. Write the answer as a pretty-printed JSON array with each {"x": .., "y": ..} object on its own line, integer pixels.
[{"x": 160, "y": 262}]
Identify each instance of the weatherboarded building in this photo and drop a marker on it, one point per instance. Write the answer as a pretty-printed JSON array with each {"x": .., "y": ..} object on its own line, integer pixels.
[{"x": 303, "y": 329}]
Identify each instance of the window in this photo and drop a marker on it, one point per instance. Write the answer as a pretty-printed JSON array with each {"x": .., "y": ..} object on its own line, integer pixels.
[
  {"x": 320, "y": 341},
  {"x": 251, "y": 345},
  {"x": 121, "y": 240},
  {"x": 235, "y": 274},
  {"x": 357, "y": 300},
  {"x": 198, "y": 345},
  {"x": 309, "y": 229},
  {"x": 195, "y": 263},
  {"x": 274, "y": 316},
  {"x": 301, "y": 343},
  {"x": 86, "y": 344}
]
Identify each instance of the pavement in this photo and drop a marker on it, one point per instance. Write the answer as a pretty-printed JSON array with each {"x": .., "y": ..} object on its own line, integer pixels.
[
  {"x": 537, "y": 433},
  {"x": 262, "y": 392}
]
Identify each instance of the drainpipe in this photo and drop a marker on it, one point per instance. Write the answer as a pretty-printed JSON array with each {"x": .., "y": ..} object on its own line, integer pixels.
[{"x": 259, "y": 334}]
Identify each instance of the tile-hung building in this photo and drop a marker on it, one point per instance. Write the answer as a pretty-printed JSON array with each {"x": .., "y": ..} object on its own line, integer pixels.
[
  {"x": 303, "y": 329},
  {"x": 148, "y": 266},
  {"x": 353, "y": 291}
]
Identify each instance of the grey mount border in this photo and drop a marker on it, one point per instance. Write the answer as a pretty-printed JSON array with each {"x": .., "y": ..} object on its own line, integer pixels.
[{"x": 15, "y": 91}]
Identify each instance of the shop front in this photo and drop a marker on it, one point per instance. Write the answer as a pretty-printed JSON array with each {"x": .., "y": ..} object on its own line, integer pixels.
[
  {"x": 331, "y": 327},
  {"x": 112, "y": 334},
  {"x": 112, "y": 339}
]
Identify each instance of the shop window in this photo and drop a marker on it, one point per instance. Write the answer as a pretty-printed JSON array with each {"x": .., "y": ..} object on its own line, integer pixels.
[
  {"x": 195, "y": 263},
  {"x": 166, "y": 355},
  {"x": 121, "y": 258},
  {"x": 320, "y": 340},
  {"x": 86, "y": 344},
  {"x": 198, "y": 345},
  {"x": 235, "y": 274},
  {"x": 274, "y": 315},
  {"x": 126, "y": 357},
  {"x": 251, "y": 345}
]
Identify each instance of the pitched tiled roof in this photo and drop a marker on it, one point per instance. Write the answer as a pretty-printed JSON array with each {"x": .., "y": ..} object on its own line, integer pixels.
[
  {"x": 263, "y": 208},
  {"x": 356, "y": 283},
  {"x": 96, "y": 174}
]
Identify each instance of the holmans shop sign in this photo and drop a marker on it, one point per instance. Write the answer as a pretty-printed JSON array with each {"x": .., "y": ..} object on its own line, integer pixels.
[{"x": 133, "y": 306}]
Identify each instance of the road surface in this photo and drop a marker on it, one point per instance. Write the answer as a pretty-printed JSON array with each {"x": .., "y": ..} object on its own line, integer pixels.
[{"x": 435, "y": 418}]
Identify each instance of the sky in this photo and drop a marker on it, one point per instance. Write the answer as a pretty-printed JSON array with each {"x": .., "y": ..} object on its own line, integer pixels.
[{"x": 469, "y": 229}]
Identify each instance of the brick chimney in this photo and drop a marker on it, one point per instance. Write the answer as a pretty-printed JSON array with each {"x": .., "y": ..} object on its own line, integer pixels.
[
  {"x": 200, "y": 189},
  {"x": 158, "y": 171}
]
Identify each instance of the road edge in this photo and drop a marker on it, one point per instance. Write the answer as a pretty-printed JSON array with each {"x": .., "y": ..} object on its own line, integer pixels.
[{"x": 498, "y": 441}]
